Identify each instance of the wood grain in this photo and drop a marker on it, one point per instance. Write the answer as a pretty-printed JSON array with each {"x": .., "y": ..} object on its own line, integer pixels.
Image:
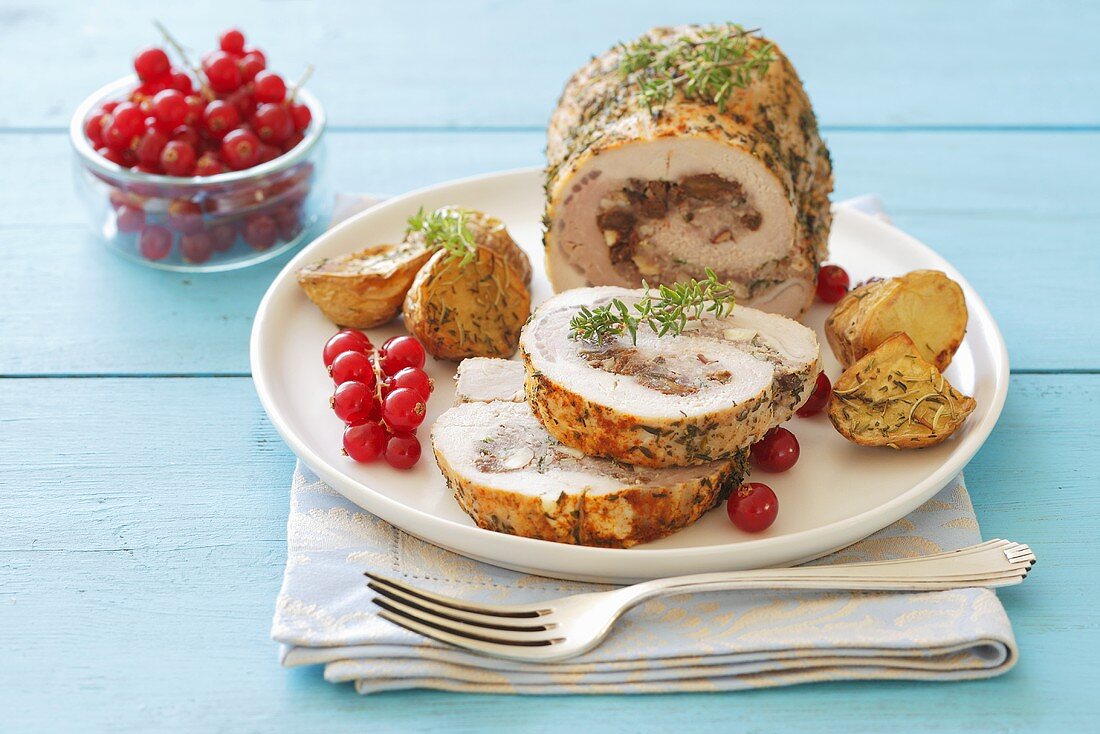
[
  {"x": 490, "y": 64},
  {"x": 144, "y": 540}
]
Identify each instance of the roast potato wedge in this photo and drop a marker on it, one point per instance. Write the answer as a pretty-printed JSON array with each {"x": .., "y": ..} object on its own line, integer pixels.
[
  {"x": 894, "y": 397},
  {"x": 366, "y": 288},
  {"x": 486, "y": 231},
  {"x": 925, "y": 304},
  {"x": 471, "y": 309}
]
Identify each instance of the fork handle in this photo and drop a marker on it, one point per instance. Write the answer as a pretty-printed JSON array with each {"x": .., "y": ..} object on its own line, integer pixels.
[{"x": 991, "y": 564}]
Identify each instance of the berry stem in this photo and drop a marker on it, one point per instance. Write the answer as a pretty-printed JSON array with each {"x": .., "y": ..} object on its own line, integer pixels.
[
  {"x": 204, "y": 84},
  {"x": 300, "y": 83}
]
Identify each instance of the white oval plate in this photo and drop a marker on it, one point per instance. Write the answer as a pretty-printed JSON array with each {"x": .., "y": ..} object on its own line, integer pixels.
[{"x": 835, "y": 495}]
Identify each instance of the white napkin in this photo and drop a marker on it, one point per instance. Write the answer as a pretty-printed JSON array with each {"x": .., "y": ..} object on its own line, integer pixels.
[{"x": 699, "y": 642}]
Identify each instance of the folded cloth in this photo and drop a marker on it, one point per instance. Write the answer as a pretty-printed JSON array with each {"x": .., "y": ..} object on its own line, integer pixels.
[{"x": 699, "y": 642}]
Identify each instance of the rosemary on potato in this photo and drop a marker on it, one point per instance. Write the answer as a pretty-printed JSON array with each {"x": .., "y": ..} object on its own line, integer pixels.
[
  {"x": 666, "y": 312},
  {"x": 705, "y": 65},
  {"x": 446, "y": 229}
]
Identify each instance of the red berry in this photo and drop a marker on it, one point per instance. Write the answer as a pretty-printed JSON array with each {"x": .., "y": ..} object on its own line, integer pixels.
[
  {"x": 777, "y": 451},
  {"x": 187, "y": 134},
  {"x": 184, "y": 216},
  {"x": 252, "y": 63},
  {"x": 93, "y": 127},
  {"x": 223, "y": 236},
  {"x": 170, "y": 107},
  {"x": 179, "y": 81},
  {"x": 301, "y": 116},
  {"x": 269, "y": 87},
  {"x": 260, "y": 231},
  {"x": 346, "y": 340},
  {"x": 129, "y": 219},
  {"x": 196, "y": 106},
  {"x": 832, "y": 283},
  {"x": 151, "y": 63},
  {"x": 196, "y": 248},
  {"x": 413, "y": 378},
  {"x": 352, "y": 365},
  {"x": 112, "y": 155},
  {"x": 231, "y": 41},
  {"x": 365, "y": 442},
  {"x": 752, "y": 507},
  {"x": 403, "y": 409},
  {"x": 272, "y": 122},
  {"x": 222, "y": 72},
  {"x": 220, "y": 118},
  {"x": 291, "y": 142},
  {"x": 819, "y": 398},
  {"x": 126, "y": 123},
  {"x": 352, "y": 402},
  {"x": 110, "y": 107},
  {"x": 268, "y": 153},
  {"x": 150, "y": 146},
  {"x": 241, "y": 149},
  {"x": 400, "y": 352},
  {"x": 289, "y": 219},
  {"x": 178, "y": 158},
  {"x": 209, "y": 164},
  {"x": 402, "y": 450},
  {"x": 155, "y": 243}
]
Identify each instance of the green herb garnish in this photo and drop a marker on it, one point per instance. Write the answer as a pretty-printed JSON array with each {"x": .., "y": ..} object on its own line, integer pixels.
[
  {"x": 705, "y": 65},
  {"x": 446, "y": 229},
  {"x": 666, "y": 312}
]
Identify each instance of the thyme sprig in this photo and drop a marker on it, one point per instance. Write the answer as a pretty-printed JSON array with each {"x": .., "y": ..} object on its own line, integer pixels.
[
  {"x": 445, "y": 228},
  {"x": 706, "y": 65},
  {"x": 666, "y": 311}
]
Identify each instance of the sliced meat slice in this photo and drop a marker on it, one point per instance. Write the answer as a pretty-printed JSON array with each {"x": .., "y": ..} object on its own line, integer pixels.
[
  {"x": 511, "y": 476},
  {"x": 671, "y": 400}
]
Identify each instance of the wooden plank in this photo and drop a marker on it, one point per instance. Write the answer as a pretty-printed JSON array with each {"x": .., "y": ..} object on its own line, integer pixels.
[
  {"x": 143, "y": 547},
  {"x": 1013, "y": 211},
  {"x": 485, "y": 63}
]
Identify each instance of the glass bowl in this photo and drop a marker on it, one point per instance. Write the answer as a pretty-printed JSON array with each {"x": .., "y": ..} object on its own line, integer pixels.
[{"x": 222, "y": 222}]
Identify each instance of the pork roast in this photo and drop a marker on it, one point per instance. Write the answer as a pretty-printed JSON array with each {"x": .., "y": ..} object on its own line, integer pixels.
[
  {"x": 638, "y": 190},
  {"x": 673, "y": 400},
  {"x": 511, "y": 476}
]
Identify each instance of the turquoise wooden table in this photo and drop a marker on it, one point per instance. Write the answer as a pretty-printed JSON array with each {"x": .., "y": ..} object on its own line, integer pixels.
[{"x": 143, "y": 494}]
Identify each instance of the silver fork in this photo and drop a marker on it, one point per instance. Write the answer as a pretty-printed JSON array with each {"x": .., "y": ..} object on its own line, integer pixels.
[{"x": 562, "y": 628}]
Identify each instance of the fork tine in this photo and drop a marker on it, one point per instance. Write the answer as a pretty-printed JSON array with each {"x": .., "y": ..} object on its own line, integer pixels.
[
  {"x": 457, "y": 615},
  {"x": 513, "y": 652},
  {"x": 510, "y": 638},
  {"x": 518, "y": 611}
]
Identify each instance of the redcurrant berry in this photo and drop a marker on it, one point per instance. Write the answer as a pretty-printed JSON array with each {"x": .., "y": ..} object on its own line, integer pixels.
[
  {"x": 179, "y": 81},
  {"x": 819, "y": 398},
  {"x": 196, "y": 106},
  {"x": 402, "y": 450},
  {"x": 289, "y": 219},
  {"x": 184, "y": 216},
  {"x": 170, "y": 107},
  {"x": 301, "y": 116},
  {"x": 352, "y": 366},
  {"x": 129, "y": 219},
  {"x": 777, "y": 451},
  {"x": 752, "y": 507},
  {"x": 346, "y": 340},
  {"x": 209, "y": 164},
  {"x": 93, "y": 127},
  {"x": 268, "y": 153},
  {"x": 240, "y": 149},
  {"x": 413, "y": 378},
  {"x": 269, "y": 87},
  {"x": 151, "y": 63},
  {"x": 112, "y": 155},
  {"x": 365, "y": 442},
  {"x": 400, "y": 352},
  {"x": 187, "y": 134},
  {"x": 232, "y": 42},
  {"x": 178, "y": 158},
  {"x": 352, "y": 402},
  {"x": 222, "y": 72},
  {"x": 832, "y": 283},
  {"x": 150, "y": 146},
  {"x": 196, "y": 248},
  {"x": 220, "y": 118},
  {"x": 223, "y": 236},
  {"x": 155, "y": 243},
  {"x": 403, "y": 409},
  {"x": 292, "y": 141},
  {"x": 272, "y": 122},
  {"x": 260, "y": 231}
]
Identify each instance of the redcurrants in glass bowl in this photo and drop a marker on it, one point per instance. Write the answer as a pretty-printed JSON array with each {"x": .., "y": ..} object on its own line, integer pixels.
[{"x": 207, "y": 164}]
